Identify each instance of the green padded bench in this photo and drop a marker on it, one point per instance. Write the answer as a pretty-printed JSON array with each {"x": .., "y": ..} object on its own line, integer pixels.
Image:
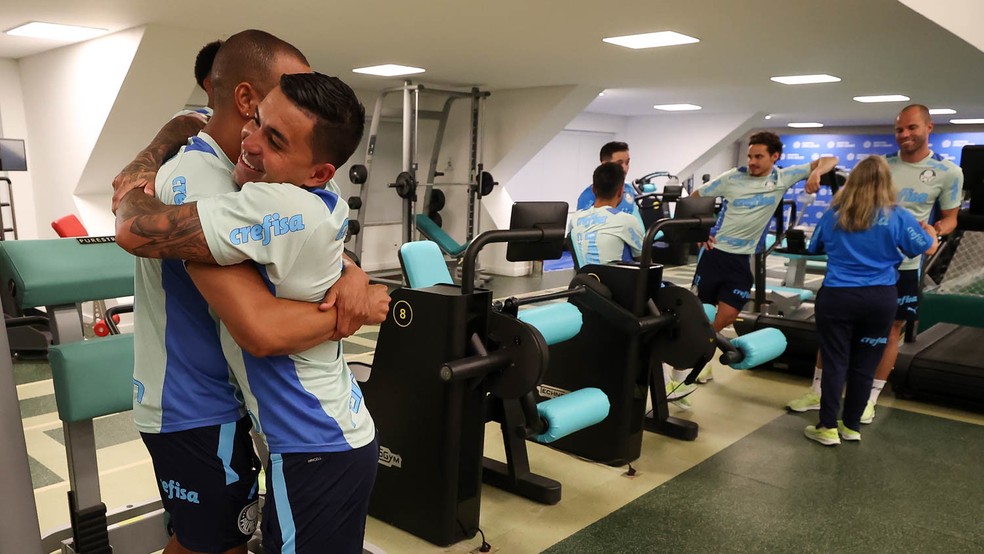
[
  {"x": 433, "y": 232},
  {"x": 92, "y": 378},
  {"x": 65, "y": 271}
]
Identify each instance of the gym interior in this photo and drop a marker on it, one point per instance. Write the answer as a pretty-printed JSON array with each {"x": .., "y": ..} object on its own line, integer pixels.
[{"x": 513, "y": 106}]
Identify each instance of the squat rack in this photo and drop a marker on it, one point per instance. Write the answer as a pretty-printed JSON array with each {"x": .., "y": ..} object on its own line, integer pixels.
[{"x": 406, "y": 183}]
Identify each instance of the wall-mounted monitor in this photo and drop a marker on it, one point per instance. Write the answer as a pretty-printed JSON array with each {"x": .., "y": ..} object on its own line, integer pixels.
[{"x": 12, "y": 155}]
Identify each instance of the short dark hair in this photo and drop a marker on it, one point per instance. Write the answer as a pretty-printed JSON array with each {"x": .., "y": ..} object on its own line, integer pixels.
[
  {"x": 339, "y": 117},
  {"x": 249, "y": 57},
  {"x": 923, "y": 111},
  {"x": 770, "y": 140},
  {"x": 608, "y": 180},
  {"x": 609, "y": 150},
  {"x": 203, "y": 61}
]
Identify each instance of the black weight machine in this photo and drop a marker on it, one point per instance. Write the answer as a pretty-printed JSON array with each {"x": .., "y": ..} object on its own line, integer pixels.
[
  {"x": 445, "y": 364},
  {"x": 632, "y": 323}
]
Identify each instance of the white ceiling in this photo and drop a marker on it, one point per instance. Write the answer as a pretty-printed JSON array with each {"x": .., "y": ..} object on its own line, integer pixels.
[{"x": 875, "y": 46}]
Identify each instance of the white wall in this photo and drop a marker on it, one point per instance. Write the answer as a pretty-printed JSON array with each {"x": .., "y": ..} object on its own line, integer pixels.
[
  {"x": 562, "y": 169},
  {"x": 68, "y": 93},
  {"x": 685, "y": 144},
  {"x": 13, "y": 124},
  {"x": 91, "y": 106}
]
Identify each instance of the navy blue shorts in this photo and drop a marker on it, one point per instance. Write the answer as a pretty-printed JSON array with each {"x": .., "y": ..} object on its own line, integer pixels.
[
  {"x": 207, "y": 479},
  {"x": 724, "y": 277},
  {"x": 853, "y": 325},
  {"x": 908, "y": 287},
  {"x": 317, "y": 503}
]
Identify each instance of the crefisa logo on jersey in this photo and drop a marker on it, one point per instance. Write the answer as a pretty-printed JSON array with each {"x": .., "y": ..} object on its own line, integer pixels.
[
  {"x": 272, "y": 225},
  {"x": 248, "y": 518},
  {"x": 927, "y": 175}
]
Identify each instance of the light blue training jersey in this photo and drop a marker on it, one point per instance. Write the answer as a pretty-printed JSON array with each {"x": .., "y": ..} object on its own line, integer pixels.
[
  {"x": 868, "y": 258},
  {"x": 751, "y": 202},
  {"x": 308, "y": 401},
  {"x": 603, "y": 235},
  {"x": 933, "y": 179},
  {"x": 180, "y": 376}
]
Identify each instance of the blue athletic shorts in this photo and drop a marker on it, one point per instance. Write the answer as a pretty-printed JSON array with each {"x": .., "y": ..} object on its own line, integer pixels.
[
  {"x": 724, "y": 277},
  {"x": 908, "y": 290},
  {"x": 317, "y": 502},
  {"x": 207, "y": 480}
]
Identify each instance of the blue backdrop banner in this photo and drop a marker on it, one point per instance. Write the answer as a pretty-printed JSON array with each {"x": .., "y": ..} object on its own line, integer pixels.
[{"x": 850, "y": 149}]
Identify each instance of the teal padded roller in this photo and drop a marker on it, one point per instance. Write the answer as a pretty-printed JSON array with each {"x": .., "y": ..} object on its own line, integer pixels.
[
  {"x": 759, "y": 347},
  {"x": 710, "y": 311},
  {"x": 92, "y": 378},
  {"x": 65, "y": 271},
  {"x": 572, "y": 412},
  {"x": 556, "y": 322},
  {"x": 424, "y": 264}
]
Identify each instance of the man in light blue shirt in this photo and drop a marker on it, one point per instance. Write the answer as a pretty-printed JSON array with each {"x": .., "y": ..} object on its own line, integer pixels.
[
  {"x": 922, "y": 180},
  {"x": 724, "y": 276},
  {"x": 285, "y": 218},
  {"x": 602, "y": 233},
  {"x": 618, "y": 153}
]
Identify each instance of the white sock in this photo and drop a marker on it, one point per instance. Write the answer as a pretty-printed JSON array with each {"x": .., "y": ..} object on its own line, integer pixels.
[
  {"x": 876, "y": 387},
  {"x": 680, "y": 374},
  {"x": 817, "y": 376}
]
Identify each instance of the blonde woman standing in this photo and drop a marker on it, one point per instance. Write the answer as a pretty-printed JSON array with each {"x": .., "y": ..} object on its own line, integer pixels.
[{"x": 865, "y": 236}]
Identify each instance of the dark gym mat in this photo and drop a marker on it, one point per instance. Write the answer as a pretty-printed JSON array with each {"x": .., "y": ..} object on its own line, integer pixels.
[{"x": 913, "y": 484}]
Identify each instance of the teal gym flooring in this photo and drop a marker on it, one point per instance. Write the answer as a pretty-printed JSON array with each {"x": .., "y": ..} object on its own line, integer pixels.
[{"x": 750, "y": 482}]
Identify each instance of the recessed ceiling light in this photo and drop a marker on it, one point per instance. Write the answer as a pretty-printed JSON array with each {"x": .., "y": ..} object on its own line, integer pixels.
[
  {"x": 768, "y": 116},
  {"x": 805, "y": 79},
  {"x": 676, "y": 107},
  {"x": 388, "y": 70},
  {"x": 55, "y": 31},
  {"x": 967, "y": 121},
  {"x": 805, "y": 125},
  {"x": 651, "y": 40},
  {"x": 882, "y": 98},
  {"x": 602, "y": 93},
  {"x": 942, "y": 111}
]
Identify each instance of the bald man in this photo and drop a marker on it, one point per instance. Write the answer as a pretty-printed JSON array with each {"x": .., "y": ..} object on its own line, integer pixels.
[{"x": 922, "y": 179}]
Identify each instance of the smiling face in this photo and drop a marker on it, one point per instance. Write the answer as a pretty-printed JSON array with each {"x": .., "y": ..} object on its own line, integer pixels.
[
  {"x": 912, "y": 129},
  {"x": 276, "y": 146}
]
